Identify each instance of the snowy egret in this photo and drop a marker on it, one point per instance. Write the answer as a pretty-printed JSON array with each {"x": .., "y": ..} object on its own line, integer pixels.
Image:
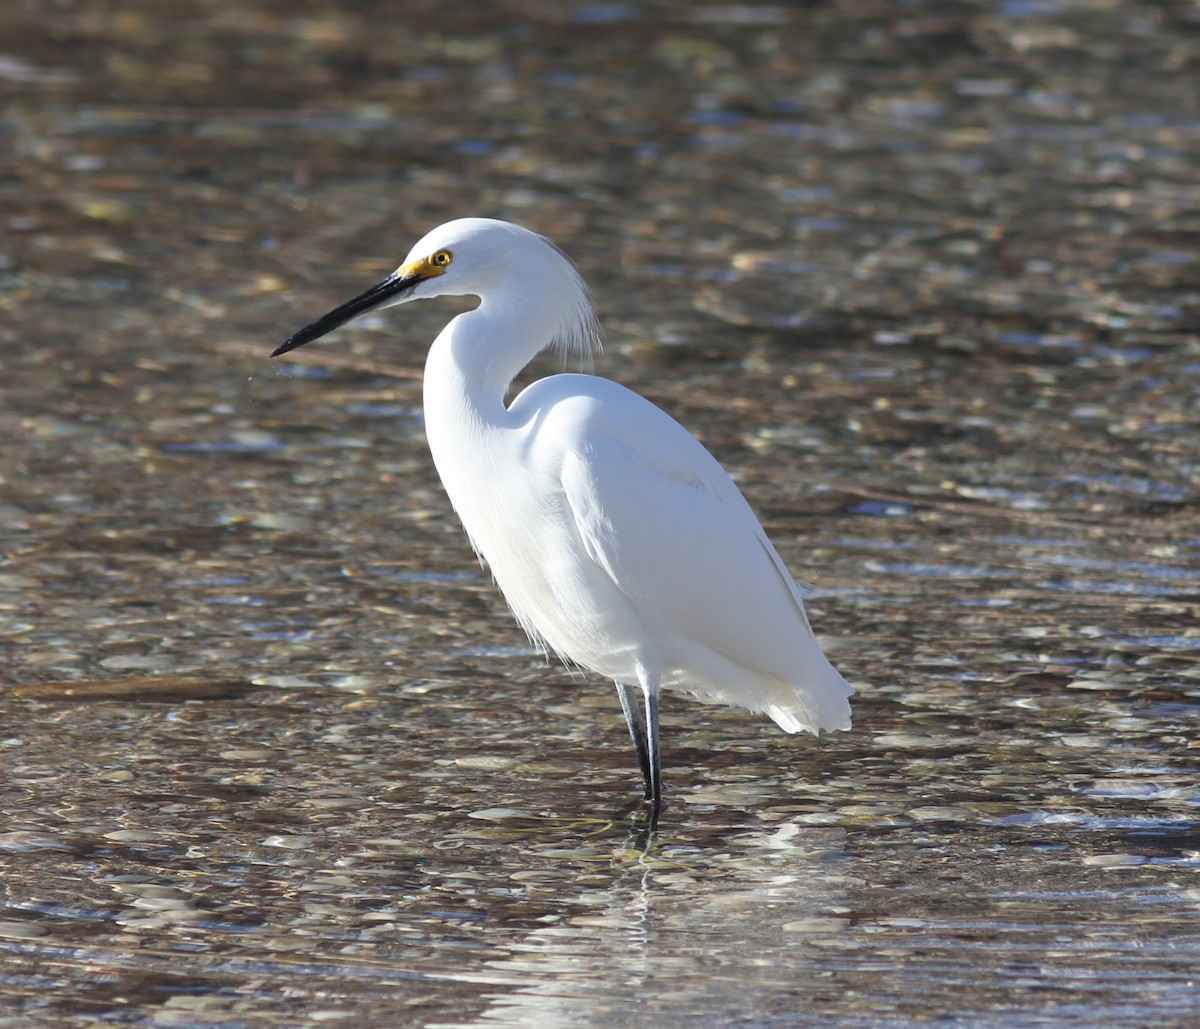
[{"x": 619, "y": 542}]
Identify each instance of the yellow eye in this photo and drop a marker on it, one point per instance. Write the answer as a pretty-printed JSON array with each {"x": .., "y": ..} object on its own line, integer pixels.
[{"x": 441, "y": 259}]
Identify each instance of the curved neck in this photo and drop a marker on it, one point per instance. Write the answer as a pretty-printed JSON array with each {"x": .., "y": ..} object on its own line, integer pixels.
[
  {"x": 467, "y": 374},
  {"x": 476, "y": 357}
]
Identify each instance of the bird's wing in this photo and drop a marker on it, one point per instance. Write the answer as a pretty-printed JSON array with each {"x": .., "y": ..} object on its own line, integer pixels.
[
  {"x": 672, "y": 531},
  {"x": 682, "y": 546}
]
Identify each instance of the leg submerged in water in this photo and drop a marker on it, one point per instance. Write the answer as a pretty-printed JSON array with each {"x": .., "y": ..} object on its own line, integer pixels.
[{"x": 641, "y": 715}]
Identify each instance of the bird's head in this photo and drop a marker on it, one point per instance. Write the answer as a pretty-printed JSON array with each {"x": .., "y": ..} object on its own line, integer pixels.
[{"x": 477, "y": 257}]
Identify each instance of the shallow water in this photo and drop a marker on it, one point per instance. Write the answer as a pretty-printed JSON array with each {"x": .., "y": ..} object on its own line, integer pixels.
[{"x": 922, "y": 275}]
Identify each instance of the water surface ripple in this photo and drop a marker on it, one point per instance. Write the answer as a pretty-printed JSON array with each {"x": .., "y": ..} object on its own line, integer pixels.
[{"x": 922, "y": 275}]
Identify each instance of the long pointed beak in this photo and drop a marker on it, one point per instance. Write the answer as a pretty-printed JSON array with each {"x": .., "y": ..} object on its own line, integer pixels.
[{"x": 377, "y": 296}]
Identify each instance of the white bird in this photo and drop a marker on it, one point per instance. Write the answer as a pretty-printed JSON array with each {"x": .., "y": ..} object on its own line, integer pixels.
[{"x": 619, "y": 542}]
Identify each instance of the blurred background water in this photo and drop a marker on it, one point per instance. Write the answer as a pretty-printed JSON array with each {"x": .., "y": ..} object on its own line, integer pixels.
[{"x": 922, "y": 275}]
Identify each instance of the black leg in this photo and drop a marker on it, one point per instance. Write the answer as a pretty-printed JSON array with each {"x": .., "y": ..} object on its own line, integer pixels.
[
  {"x": 637, "y": 729},
  {"x": 652, "y": 761}
]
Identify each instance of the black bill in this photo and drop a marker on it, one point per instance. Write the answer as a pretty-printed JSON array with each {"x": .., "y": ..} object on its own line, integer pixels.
[{"x": 376, "y": 296}]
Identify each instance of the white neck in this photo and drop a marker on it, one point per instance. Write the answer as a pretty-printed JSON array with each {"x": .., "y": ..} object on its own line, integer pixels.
[
  {"x": 467, "y": 374},
  {"x": 526, "y": 305}
]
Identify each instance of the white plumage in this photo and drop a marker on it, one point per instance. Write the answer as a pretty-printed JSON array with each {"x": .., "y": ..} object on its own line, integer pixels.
[{"x": 618, "y": 541}]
